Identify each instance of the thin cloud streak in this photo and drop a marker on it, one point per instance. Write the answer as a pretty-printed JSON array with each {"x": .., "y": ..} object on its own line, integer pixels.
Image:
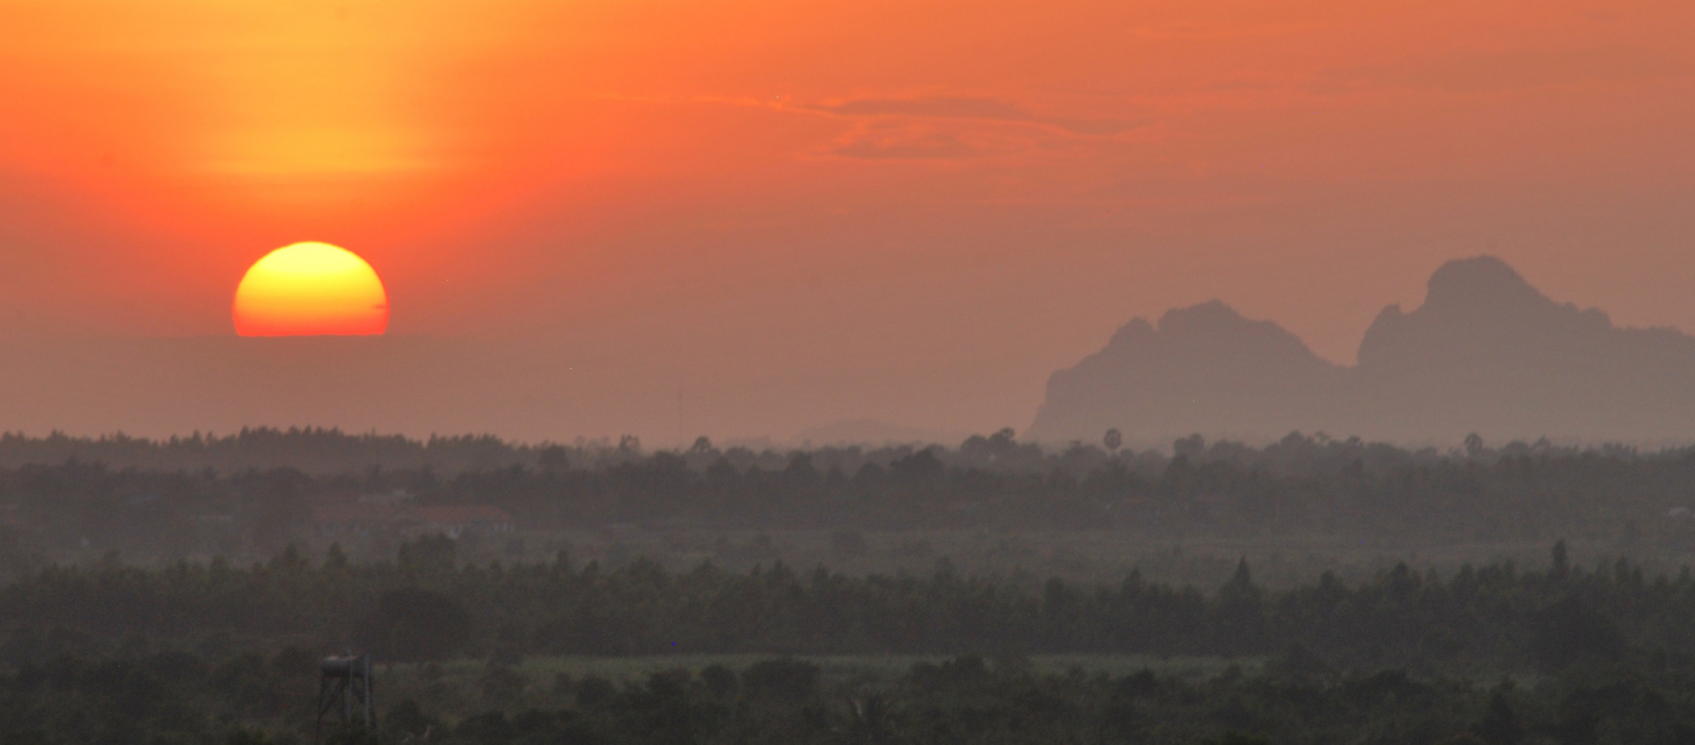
[{"x": 981, "y": 109}]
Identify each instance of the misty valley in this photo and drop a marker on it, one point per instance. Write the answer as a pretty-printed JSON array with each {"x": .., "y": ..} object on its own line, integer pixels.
[{"x": 1310, "y": 590}]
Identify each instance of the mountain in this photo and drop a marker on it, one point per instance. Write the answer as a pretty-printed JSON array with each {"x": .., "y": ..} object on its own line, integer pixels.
[
  {"x": 1490, "y": 353},
  {"x": 1486, "y": 352},
  {"x": 1204, "y": 368}
]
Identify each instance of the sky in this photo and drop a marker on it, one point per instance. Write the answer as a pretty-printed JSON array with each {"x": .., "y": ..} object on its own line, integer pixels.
[{"x": 793, "y": 213}]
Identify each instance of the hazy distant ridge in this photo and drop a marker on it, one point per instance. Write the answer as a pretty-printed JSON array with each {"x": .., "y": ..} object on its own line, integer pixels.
[{"x": 1486, "y": 352}]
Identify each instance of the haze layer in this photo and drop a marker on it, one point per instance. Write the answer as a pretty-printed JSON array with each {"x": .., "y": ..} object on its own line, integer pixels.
[
  {"x": 1486, "y": 353},
  {"x": 801, "y": 212}
]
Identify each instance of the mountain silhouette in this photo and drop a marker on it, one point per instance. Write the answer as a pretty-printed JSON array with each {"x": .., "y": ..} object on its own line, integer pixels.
[
  {"x": 1486, "y": 352},
  {"x": 1203, "y": 368}
]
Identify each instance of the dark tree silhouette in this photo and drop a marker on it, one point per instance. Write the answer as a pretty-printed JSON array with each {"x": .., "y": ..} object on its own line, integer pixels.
[{"x": 413, "y": 625}]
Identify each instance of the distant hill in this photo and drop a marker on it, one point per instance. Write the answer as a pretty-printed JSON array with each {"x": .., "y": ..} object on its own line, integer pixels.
[
  {"x": 1202, "y": 369},
  {"x": 1486, "y": 352}
]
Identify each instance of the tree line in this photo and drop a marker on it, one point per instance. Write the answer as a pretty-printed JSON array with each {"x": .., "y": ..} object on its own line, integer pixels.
[
  {"x": 426, "y": 605},
  {"x": 115, "y": 653},
  {"x": 180, "y": 697},
  {"x": 1298, "y": 486}
]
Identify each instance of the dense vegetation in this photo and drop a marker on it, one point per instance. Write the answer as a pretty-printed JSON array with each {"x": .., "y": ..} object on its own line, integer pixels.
[
  {"x": 247, "y": 700},
  {"x": 180, "y": 592},
  {"x": 428, "y": 606},
  {"x": 1303, "y": 486},
  {"x": 111, "y": 653}
]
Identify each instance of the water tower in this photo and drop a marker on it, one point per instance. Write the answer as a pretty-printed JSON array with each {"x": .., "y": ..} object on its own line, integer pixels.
[{"x": 344, "y": 693}]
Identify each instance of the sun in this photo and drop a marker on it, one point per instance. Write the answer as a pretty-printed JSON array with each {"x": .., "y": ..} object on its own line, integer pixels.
[{"x": 310, "y": 289}]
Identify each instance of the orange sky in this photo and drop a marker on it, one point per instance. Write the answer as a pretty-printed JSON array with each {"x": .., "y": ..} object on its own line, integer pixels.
[{"x": 923, "y": 206}]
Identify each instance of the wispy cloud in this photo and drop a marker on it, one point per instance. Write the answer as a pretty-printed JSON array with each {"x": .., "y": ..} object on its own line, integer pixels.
[
  {"x": 966, "y": 108},
  {"x": 902, "y": 143}
]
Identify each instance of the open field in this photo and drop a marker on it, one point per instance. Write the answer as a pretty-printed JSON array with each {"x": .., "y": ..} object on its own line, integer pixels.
[
  {"x": 464, "y": 686},
  {"x": 1086, "y": 557}
]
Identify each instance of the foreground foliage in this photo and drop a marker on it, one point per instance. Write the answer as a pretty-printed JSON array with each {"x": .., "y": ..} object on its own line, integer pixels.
[
  {"x": 207, "y": 653},
  {"x": 427, "y": 605},
  {"x": 245, "y": 700}
]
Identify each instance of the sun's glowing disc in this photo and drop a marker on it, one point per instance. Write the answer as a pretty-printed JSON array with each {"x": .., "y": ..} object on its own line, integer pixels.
[{"x": 310, "y": 289}]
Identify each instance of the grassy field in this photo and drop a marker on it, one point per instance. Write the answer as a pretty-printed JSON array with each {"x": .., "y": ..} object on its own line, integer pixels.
[
  {"x": 869, "y": 669},
  {"x": 1090, "y": 557},
  {"x": 463, "y": 687}
]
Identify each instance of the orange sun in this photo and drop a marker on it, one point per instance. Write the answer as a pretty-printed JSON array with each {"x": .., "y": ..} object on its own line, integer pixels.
[{"x": 310, "y": 289}]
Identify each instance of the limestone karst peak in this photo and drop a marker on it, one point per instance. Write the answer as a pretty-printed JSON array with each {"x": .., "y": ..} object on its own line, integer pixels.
[
  {"x": 1486, "y": 351},
  {"x": 1479, "y": 284}
]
